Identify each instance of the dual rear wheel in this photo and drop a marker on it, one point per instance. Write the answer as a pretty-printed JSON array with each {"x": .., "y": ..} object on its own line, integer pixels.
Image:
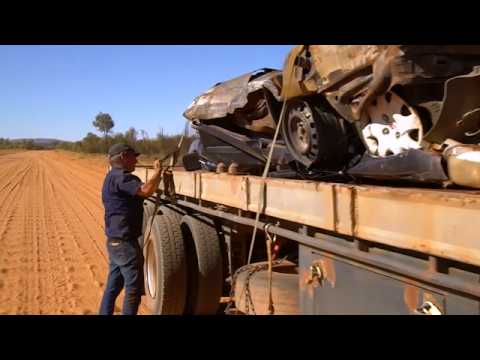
[{"x": 183, "y": 263}]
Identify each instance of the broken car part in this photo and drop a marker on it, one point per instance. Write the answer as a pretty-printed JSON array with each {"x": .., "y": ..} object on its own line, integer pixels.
[
  {"x": 412, "y": 165},
  {"x": 438, "y": 85},
  {"x": 464, "y": 165}
]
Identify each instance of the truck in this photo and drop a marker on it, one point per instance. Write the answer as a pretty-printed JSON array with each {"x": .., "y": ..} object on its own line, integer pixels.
[
  {"x": 346, "y": 248},
  {"x": 368, "y": 197}
]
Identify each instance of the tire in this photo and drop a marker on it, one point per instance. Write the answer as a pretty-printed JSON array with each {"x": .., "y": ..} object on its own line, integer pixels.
[
  {"x": 315, "y": 137},
  {"x": 205, "y": 265},
  {"x": 148, "y": 209},
  {"x": 285, "y": 293},
  {"x": 173, "y": 211},
  {"x": 165, "y": 267},
  {"x": 168, "y": 209}
]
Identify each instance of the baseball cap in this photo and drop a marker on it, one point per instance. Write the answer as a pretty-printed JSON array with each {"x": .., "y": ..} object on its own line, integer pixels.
[{"x": 119, "y": 148}]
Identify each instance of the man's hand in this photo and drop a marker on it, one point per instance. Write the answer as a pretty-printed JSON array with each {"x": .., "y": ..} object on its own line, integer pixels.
[
  {"x": 147, "y": 189},
  {"x": 157, "y": 165}
]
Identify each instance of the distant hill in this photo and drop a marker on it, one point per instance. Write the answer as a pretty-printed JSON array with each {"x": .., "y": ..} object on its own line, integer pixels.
[{"x": 46, "y": 143}]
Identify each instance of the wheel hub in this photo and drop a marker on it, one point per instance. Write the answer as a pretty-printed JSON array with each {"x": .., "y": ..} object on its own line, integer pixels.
[
  {"x": 391, "y": 126},
  {"x": 151, "y": 272},
  {"x": 300, "y": 134},
  {"x": 302, "y": 131}
]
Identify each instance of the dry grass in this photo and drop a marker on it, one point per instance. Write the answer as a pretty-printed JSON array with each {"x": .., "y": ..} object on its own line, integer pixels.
[
  {"x": 10, "y": 151},
  {"x": 101, "y": 159}
]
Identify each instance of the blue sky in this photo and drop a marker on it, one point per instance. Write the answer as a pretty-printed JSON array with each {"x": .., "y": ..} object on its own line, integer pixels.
[{"x": 56, "y": 91}]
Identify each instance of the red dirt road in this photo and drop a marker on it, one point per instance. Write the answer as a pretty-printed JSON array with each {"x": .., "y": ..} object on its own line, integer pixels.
[{"x": 52, "y": 244}]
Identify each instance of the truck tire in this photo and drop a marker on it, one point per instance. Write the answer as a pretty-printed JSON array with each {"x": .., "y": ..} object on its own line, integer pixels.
[
  {"x": 204, "y": 263},
  {"x": 285, "y": 294},
  {"x": 165, "y": 267},
  {"x": 148, "y": 208},
  {"x": 172, "y": 210}
]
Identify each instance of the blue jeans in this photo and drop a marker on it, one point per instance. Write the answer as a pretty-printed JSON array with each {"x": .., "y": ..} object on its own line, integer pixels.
[{"x": 125, "y": 270}]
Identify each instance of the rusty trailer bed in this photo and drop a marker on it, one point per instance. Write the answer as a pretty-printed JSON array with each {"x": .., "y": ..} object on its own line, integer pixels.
[{"x": 432, "y": 221}]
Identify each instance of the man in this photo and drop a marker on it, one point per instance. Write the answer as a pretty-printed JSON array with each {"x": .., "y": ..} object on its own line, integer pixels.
[{"x": 122, "y": 197}]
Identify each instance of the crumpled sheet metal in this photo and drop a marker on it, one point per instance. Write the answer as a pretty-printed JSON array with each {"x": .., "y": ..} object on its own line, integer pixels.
[
  {"x": 227, "y": 97},
  {"x": 459, "y": 116},
  {"x": 352, "y": 76},
  {"x": 329, "y": 62},
  {"x": 412, "y": 165}
]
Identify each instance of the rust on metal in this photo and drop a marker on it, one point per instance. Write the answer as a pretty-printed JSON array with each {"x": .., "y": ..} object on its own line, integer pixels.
[
  {"x": 353, "y": 211},
  {"x": 354, "y": 75},
  {"x": 305, "y": 283},
  {"x": 430, "y": 297},
  {"x": 432, "y": 264},
  {"x": 419, "y": 219},
  {"x": 328, "y": 270},
  {"x": 321, "y": 271},
  {"x": 240, "y": 101},
  {"x": 410, "y": 296},
  {"x": 462, "y": 286},
  {"x": 459, "y": 115},
  {"x": 335, "y": 208},
  {"x": 246, "y": 187}
]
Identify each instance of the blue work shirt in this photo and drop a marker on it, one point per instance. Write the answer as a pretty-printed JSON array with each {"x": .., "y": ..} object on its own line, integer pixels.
[{"x": 123, "y": 208}]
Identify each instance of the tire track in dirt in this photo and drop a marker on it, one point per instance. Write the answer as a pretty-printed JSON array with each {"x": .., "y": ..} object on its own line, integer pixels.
[
  {"x": 52, "y": 243},
  {"x": 34, "y": 305},
  {"x": 77, "y": 267},
  {"x": 82, "y": 261},
  {"x": 87, "y": 196},
  {"x": 16, "y": 255},
  {"x": 12, "y": 258},
  {"x": 6, "y": 176},
  {"x": 79, "y": 219},
  {"x": 64, "y": 187},
  {"x": 87, "y": 187},
  {"x": 9, "y": 197}
]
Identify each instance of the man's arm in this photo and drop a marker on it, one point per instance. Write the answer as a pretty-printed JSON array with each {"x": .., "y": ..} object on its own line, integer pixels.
[{"x": 147, "y": 189}]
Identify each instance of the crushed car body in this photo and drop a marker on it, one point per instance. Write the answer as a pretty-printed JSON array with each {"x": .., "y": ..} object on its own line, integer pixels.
[
  {"x": 235, "y": 125},
  {"x": 239, "y": 101},
  {"x": 362, "y": 110}
]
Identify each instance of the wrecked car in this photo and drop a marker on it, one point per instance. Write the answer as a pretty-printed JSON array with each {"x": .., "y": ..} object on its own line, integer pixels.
[
  {"x": 235, "y": 126},
  {"x": 374, "y": 111},
  {"x": 402, "y": 99}
]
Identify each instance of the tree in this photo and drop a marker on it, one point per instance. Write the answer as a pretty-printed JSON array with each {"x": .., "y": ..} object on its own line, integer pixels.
[
  {"x": 144, "y": 148},
  {"x": 144, "y": 135},
  {"x": 131, "y": 136},
  {"x": 104, "y": 123},
  {"x": 91, "y": 143}
]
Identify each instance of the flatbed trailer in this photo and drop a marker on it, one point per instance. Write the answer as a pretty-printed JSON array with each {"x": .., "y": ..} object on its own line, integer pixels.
[{"x": 360, "y": 249}]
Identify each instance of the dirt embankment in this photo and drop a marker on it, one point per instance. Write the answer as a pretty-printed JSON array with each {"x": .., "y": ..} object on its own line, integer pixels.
[{"x": 52, "y": 244}]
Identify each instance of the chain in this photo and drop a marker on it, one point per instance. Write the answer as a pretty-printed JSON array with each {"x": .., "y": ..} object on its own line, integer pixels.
[
  {"x": 251, "y": 269},
  {"x": 269, "y": 243}
]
